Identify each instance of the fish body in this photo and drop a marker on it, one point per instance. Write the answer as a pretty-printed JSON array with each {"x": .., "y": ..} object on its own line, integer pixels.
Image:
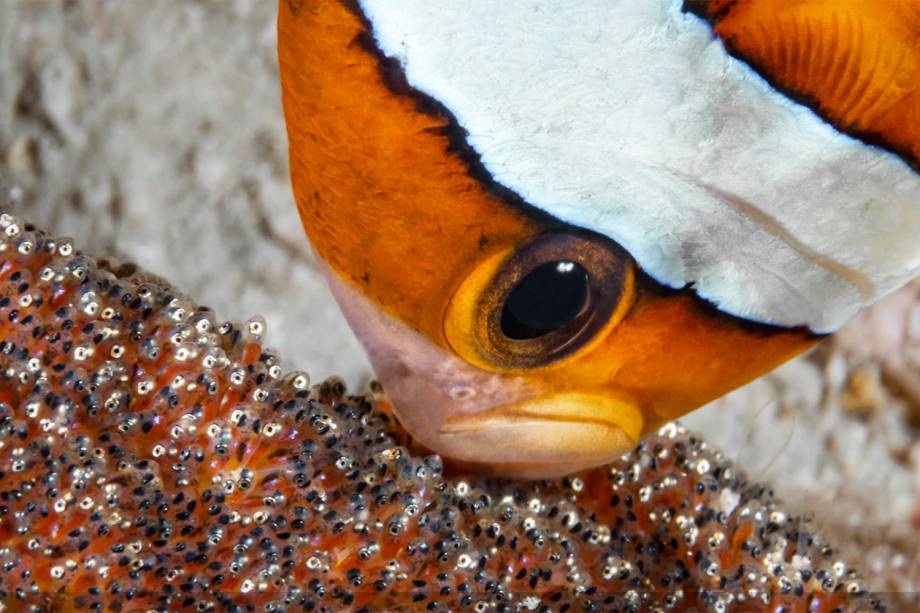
[{"x": 556, "y": 227}]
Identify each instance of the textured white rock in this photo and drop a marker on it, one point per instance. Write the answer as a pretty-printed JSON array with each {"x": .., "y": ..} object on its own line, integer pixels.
[{"x": 153, "y": 131}]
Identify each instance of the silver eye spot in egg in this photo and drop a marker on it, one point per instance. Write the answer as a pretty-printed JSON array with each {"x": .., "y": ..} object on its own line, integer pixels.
[
  {"x": 216, "y": 535},
  {"x": 178, "y": 313},
  {"x": 256, "y": 326},
  {"x": 645, "y": 493},
  {"x": 11, "y": 229},
  {"x": 271, "y": 429},
  {"x": 301, "y": 381}
]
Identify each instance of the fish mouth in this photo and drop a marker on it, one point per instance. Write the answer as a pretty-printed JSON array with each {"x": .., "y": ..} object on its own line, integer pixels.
[{"x": 543, "y": 437}]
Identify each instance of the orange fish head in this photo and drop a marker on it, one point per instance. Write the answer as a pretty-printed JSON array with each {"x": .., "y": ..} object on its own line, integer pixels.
[
  {"x": 506, "y": 338},
  {"x": 550, "y": 354}
]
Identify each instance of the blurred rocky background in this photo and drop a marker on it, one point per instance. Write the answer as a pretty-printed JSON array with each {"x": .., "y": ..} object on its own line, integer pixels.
[{"x": 153, "y": 132}]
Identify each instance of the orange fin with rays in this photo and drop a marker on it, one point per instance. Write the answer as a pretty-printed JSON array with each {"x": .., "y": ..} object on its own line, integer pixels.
[{"x": 854, "y": 62}]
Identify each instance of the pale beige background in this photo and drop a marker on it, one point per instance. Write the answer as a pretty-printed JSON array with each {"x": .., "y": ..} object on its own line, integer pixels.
[{"x": 152, "y": 130}]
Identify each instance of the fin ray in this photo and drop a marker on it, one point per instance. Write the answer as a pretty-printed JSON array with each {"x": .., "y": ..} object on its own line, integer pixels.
[{"x": 855, "y": 63}]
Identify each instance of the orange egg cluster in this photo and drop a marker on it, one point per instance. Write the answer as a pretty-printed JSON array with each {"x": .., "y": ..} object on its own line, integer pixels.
[{"x": 153, "y": 458}]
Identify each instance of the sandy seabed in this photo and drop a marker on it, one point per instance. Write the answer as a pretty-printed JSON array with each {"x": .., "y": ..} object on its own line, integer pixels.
[{"x": 152, "y": 131}]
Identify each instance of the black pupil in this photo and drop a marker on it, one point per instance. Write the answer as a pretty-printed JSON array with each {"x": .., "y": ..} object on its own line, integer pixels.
[{"x": 550, "y": 296}]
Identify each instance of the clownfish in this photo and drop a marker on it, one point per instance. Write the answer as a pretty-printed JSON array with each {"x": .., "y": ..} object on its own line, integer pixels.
[{"x": 555, "y": 226}]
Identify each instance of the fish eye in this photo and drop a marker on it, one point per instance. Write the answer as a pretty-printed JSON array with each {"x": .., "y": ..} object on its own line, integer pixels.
[
  {"x": 540, "y": 302},
  {"x": 546, "y": 299}
]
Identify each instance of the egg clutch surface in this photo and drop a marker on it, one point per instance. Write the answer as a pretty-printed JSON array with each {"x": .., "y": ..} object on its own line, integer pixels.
[{"x": 153, "y": 458}]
